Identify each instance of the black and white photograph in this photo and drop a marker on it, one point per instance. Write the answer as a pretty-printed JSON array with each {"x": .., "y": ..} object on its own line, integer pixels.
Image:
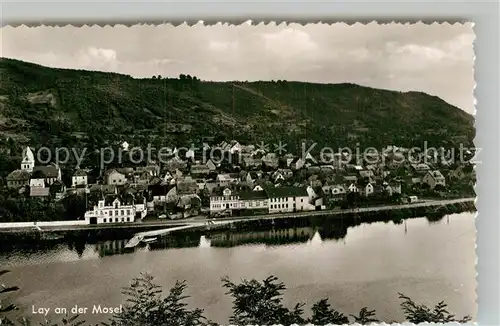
[{"x": 252, "y": 174}]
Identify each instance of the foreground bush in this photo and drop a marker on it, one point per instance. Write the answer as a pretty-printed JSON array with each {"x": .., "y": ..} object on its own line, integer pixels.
[{"x": 254, "y": 303}]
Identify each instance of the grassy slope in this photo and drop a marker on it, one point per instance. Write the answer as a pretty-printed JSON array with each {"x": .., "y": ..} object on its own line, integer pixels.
[{"x": 50, "y": 105}]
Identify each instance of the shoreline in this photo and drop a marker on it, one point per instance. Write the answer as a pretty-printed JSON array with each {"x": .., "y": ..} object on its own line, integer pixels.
[{"x": 361, "y": 213}]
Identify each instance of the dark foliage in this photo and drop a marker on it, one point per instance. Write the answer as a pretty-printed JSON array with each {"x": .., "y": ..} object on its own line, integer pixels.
[
  {"x": 254, "y": 302},
  {"x": 146, "y": 306},
  {"x": 61, "y": 107},
  {"x": 419, "y": 313},
  {"x": 260, "y": 303},
  {"x": 323, "y": 314}
]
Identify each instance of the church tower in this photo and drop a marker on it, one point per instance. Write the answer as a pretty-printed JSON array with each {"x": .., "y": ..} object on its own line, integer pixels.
[{"x": 28, "y": 162}]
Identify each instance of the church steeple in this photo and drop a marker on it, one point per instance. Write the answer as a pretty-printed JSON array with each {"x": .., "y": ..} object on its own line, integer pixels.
[{"x": 28, "y": 161}]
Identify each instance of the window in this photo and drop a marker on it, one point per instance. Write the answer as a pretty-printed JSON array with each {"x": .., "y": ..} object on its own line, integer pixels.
[
  {"x": 123, "y": 220},
  {"x": 128, "y": 219},
  {"x": 116, "y": 205},
  {"x": 110, "y": 213},
  {"x": 302, "y": 200},
  {"x": 104, "y": 220},
  {"x": 128, "y": 211},
  {"x": 116, "y": 219}
]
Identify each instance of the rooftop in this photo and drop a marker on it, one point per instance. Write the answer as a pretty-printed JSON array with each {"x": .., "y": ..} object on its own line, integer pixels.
[
  {"x": 279, "y": 192},
  {"x": 18, "y": 175}
]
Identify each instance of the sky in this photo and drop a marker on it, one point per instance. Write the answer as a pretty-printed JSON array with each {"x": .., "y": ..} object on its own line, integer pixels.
[{"x": 437, "y": 59}]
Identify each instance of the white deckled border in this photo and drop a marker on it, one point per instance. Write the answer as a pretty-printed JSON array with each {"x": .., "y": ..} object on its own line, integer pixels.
[{"x": 282, "y": 23}]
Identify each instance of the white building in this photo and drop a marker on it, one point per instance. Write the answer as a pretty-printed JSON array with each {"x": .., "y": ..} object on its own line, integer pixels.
[
  {"x": 113, "y": 210},
  {"x": 37, "y": 182},
  {"x": 230, "y": 200},
  {"x": 226, "y": 179},
  {"x": 225, "y": 200},
  {"x": 366, "y": 189},
  {"x": 434, "y": 178},
  {"x": 254, "y": 200},
  {"x": 28, "y": 160},
  {"x": 79, "y": 178},
  {"x": 113, "y": 177},
  {"x": 125, "y": 146},
  {"x": 288, "y": 199},
  {"x": 190, "y": 154}
]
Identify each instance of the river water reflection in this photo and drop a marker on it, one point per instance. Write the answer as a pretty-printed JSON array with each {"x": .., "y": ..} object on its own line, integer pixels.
[{"x": 355, "y": 266}]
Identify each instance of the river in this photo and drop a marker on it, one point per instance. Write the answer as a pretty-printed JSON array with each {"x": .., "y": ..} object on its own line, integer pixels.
[{"x": 354, "y": 265}]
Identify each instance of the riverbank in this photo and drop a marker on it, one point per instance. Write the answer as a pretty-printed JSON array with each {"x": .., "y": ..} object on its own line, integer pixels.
[
  {"x": 102, "y": 231},
  {"x": 320, "y": 257}
]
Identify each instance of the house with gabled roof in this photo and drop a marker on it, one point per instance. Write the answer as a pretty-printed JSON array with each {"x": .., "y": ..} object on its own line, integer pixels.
[
  {"x": 225, "y": 179},
  {"x": 434, "y": 178},
  {"x": 366, "y": 188},
  {"x": 224, "y": 199},
  {"x": 278, "y": 177},
  {"x": 79, "y": 178},
  {"x": 211, "y": 165},
  {"x": 18, "y": 178},
  {"x": 257, "y": 187},
  {"x": 420, "y": 167},
  {"x": 113, "y": 177},
  {"x": 391, "y": 187},
  {"x": 49, "y": 173}
]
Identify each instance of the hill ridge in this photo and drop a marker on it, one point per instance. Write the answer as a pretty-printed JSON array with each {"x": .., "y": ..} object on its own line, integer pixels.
[{"x": 43, "y": 105}]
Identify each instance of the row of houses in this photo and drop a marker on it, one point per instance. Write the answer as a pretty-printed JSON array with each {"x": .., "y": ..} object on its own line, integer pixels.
[
  {"x": 270, "y": 200},
  {"x": 297, "y": 185}
]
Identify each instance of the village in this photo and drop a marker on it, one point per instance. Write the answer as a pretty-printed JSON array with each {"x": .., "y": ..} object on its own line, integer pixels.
[{"x": 246, "y": 180}]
